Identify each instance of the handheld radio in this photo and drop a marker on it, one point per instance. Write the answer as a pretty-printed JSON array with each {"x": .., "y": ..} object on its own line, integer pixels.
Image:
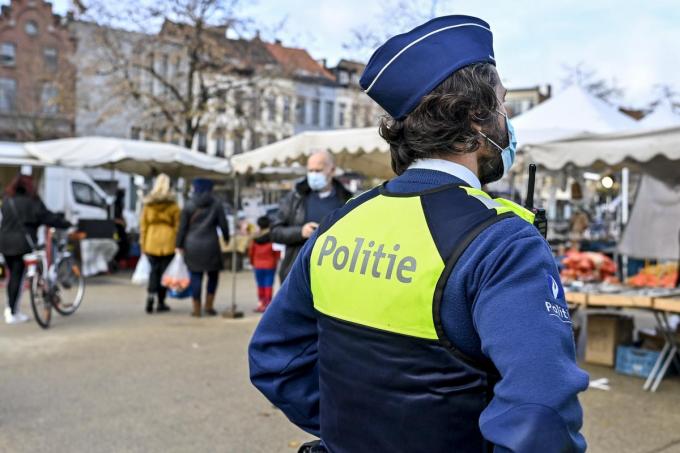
[{"x": 540, "y": 220}]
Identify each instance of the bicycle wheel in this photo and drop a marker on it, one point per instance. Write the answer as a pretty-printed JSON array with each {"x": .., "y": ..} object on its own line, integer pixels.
[
  {"x": 70, "y": 286},
  {"x": 40, "y": 302}
]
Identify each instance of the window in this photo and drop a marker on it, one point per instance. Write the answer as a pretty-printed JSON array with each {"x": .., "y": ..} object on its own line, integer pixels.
[
  {"x": 238, "y": 142},
  {"x": 316, "y": 112},
  {"x": 239, "y": 107},
  {"x": 301, "y": 111},
  {"x": 85, "y": 194},
  {"x": 286, "y": 109},
  {"x": 367, "y": 117},
  {"x": 8, "y": 95},
  {"x": 271, "y": 109},
  {"x": 341, "y": 115},
  {"x": 257, "y": 141},
  {"x": 50, "y": 56},
  {"x": 135, "y": 133},
  {"x": 161, "y": 135},
  {"x": 221, "y": 100},
  {"x": 271, "y": 138},
  {"x": 165, "y": 63},
  {"x": 202, "y": 142},
  {"x": 355, "y": 114},
  {"x": 8, "y": 54},
  {"x": 257, "y": 108},
  {"x": 31, "y": 28},
  {"x": 220, "y": 146},
  {"x": 49, "y": 99},
  {"x": 330, "y": 110}
]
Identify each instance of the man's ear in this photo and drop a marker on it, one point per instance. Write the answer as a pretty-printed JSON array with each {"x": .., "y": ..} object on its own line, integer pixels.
[{"x": 476, "y": 126}]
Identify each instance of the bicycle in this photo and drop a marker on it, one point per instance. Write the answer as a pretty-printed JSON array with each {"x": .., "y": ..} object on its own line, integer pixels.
[{"x": 55, "y": 278}]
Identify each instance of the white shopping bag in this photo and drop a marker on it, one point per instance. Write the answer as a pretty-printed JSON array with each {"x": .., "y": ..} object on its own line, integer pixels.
[
  {"x": 176, "y": 276},
  {"x": 142, "y": 271}
]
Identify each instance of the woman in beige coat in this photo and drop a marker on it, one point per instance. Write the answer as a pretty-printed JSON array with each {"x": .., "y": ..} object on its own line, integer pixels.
[{"x": 158, "y": 232}]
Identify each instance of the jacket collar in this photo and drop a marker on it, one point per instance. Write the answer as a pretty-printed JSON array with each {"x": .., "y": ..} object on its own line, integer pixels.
[{"x": 303, "y": 189}]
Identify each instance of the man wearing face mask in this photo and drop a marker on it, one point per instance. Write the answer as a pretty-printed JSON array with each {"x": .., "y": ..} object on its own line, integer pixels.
[
  {"x": 425, "y": 316},
  {"x": 301, "y": 211}
]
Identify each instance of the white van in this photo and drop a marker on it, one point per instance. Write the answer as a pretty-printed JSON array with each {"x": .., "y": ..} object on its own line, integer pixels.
[{"x": 73, "y": 193}]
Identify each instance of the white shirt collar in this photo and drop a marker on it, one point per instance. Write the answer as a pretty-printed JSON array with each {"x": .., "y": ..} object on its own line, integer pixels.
[{"x": 452, "y": 168}]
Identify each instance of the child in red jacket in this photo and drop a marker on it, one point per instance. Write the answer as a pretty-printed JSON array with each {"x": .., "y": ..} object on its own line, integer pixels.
[{"x": 264, "y": 260}]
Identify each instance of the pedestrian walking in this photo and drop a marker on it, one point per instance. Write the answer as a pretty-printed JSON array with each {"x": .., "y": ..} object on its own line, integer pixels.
[
  {"x": 158, "y": 228},
  {"x": 264, "y": 259},
  {"x": 22, "y": 213},
  {"x": 424, "y": 315},
  {"x": 198, "y": 241},
  {"x": 301, "y": 211}
]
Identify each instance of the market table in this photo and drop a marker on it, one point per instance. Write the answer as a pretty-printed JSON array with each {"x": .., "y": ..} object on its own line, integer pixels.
[
  {"x": 662, "y": 306},
  {"x": 659, "y": 306}
]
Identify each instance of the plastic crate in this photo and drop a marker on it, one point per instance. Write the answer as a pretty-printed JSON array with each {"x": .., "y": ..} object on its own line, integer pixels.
[{"x": 635, "y": 361}]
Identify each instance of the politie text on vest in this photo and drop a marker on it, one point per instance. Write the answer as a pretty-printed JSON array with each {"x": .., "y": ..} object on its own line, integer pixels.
[{"x": 382, "y": 264}]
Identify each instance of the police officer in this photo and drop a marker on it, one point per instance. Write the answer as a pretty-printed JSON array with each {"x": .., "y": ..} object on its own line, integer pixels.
[{"x": 425, "y": 316}]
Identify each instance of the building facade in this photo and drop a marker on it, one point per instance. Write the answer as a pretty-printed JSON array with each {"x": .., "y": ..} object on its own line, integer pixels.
[
  {"x": 519, "y": 100},
  {"x": 37, "y": 78}
]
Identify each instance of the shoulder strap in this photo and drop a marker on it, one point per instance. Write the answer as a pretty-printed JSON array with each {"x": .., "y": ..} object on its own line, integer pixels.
[{"x": 28, "y": 237}]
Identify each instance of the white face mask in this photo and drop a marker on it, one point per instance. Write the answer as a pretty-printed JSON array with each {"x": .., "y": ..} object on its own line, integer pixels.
[{"x": 316, "y": 180}]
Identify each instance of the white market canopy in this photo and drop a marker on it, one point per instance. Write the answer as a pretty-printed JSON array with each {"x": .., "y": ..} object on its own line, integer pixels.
[
  {"x": 360, "y": 150},
  {"x": 656, "y": 152},
  {"x": 663, "y": 116},
  {"x": 570, "y": 113},
  {"x": 130, "y": 156},
  {"x": 14, "y": 154}
]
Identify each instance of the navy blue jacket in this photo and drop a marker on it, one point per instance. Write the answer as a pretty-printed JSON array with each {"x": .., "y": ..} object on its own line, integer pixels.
[{"x": 514, "y": 314}]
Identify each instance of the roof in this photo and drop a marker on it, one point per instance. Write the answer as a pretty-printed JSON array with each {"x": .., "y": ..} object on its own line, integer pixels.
[
  {"x": 351, "y": 66},
  {"x": 298, "y": 61},
  {"x": 244, "y": 53}
]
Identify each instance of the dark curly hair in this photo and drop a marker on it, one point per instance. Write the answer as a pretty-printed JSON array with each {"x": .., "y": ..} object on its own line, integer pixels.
[{"x": 442, "y": 123}]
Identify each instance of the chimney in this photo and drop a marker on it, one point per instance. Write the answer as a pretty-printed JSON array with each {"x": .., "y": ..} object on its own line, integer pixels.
[
  {"x": 323, "y": 62},
  {"x": 278, "y": 42}
]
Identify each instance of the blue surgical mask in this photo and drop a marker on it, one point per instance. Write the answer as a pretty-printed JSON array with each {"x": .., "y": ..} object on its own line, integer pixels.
[
  {"x": 316, "y": 180},
  {"x": 507, "y": 153}
]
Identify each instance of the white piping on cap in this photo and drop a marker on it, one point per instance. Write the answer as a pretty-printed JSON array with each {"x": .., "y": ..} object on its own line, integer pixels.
[{"x": 416, "y": 42}]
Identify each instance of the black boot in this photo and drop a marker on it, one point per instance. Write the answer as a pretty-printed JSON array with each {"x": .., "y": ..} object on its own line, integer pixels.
[
  {"x": 149, "y": 304},
  {"x": 162, "y": 307}
]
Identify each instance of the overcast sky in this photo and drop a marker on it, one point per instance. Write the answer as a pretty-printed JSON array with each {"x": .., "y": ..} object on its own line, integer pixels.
[{"x": 635, "y": 42}]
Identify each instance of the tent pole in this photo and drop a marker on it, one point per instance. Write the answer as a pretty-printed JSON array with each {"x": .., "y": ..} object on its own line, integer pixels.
[
  {"x": 624, "y": 214},
  {"x": 232, "y": 312}
]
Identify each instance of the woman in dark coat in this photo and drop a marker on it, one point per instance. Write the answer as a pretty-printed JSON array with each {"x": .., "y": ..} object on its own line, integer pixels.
[
  {"x": 22, "y": 213},
  {"x": 197, "y": 239}
]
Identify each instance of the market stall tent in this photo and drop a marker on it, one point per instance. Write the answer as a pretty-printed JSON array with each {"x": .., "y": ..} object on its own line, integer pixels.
[
  {"x": 361, "y": 150},
  {"x": 130, "y": 156},
  {"x": 663, "y": 116},
  {"x": 654, "y": 225},
  {"x": 13, "y": 154},
  {"x": 12, "y": 157},
  {"x": 656, "y": 152},
  {"x": 570, "y": 113}
]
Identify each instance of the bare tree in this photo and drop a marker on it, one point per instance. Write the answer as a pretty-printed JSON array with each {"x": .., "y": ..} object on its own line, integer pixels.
[
  {"x": 404, "y": 16},
  {"x": 665, "y": 93},
  {"x": 587, "y": 78},
  {"x": 173, "y": 60}
]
